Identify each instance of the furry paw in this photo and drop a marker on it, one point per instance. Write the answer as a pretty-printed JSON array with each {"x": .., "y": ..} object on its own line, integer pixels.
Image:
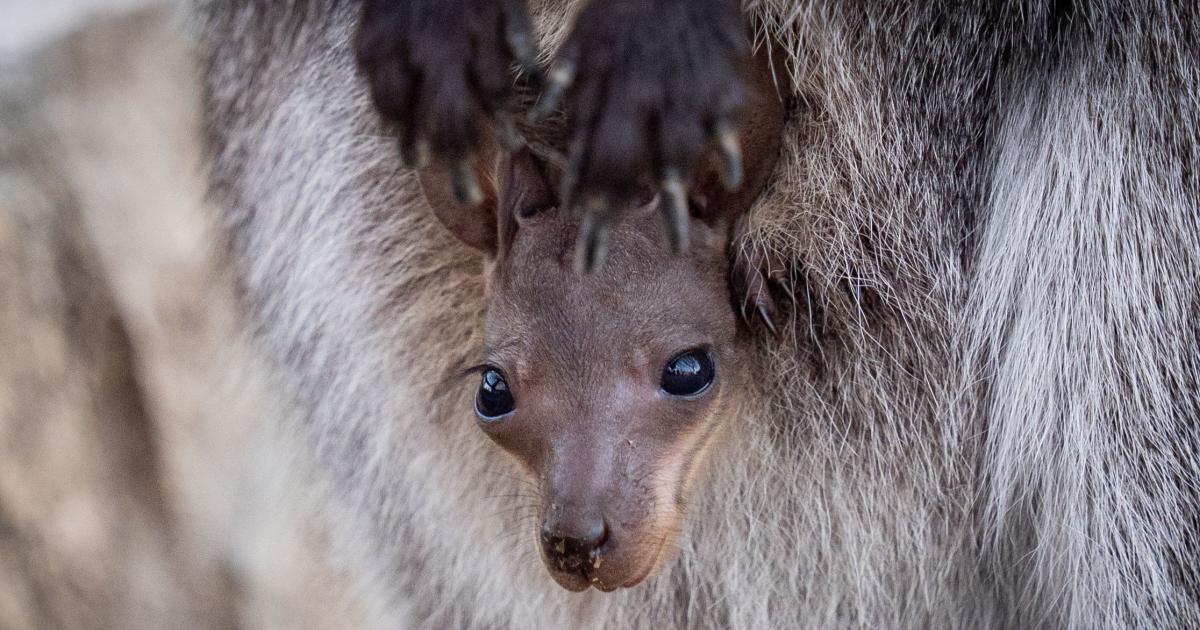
[
  {"x": 441, "y": 70},
  {"x": 649, "y": 86}
]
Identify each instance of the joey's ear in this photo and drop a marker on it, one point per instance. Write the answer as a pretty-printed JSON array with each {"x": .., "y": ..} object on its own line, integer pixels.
[
  {"x": 476, "y": 225},
  {"x": 761, "y": 137},
  {"x": 514, "y": 186},
  {"x": 526, "y": 185},
  {"x": 525, "y": 190}
]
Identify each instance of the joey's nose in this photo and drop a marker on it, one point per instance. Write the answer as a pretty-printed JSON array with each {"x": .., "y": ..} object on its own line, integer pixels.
[{"x": 574, "y": 547}]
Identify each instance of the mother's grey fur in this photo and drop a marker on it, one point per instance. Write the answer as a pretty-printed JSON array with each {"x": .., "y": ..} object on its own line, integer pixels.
[{"x": 984, "y": 415}]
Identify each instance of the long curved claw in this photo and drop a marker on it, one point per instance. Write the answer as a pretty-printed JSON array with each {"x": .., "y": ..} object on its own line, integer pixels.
[
  {"x": 730, "y": 150},
  {"x": 674, "y": 208},
  {"x": 751, "y": 278},
  {"x": 465, "y": 184},
  {"x": 562, "y": 75},
  {"x": 570, "y": 176},
  {"x": 414, "y": 154},
  {"x": 767, "y": 317},
  {"x": 524, "y": 52},
  {"x": 519, "y": 39},
  {"x": 778, "y": 279},
  {"x": 507, "y": 134},
  {"x": 592, "y": 244}
]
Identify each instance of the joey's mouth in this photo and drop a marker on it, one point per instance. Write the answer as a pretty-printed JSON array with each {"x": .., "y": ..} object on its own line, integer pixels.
[
  {"x": 573, "y": 579},
  {"x": 607, "y": 570},
  {"x": 584, "y": 578}
]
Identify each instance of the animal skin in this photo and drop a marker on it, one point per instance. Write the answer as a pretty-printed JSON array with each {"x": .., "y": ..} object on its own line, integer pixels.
[{"x": 981, "y": 411}]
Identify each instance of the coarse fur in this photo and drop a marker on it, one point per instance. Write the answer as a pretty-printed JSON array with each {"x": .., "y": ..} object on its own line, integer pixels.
[{"x": 983, "y": 413}]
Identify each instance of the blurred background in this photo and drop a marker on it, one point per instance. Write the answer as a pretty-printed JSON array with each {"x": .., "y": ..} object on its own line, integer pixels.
[
  {"x": 145, "y": 473},
  {"x": 28, "y": 23}
]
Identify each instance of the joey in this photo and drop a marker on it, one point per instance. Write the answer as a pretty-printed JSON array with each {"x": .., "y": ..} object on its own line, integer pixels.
[{"x": 610, "y": 388}]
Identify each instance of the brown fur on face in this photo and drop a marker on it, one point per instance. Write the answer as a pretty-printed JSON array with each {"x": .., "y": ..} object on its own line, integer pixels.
[{"x": 583, "y": 355}]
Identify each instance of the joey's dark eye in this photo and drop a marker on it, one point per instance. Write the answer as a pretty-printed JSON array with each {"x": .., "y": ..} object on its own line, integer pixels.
[
  {"x": 493, "y": 399},
  {"x": 688, "y": 374}
]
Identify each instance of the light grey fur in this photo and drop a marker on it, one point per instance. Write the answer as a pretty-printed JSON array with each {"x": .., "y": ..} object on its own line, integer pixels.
[
  {"x": 984, "y": 414},
  {"x": 143, "y": 481}
]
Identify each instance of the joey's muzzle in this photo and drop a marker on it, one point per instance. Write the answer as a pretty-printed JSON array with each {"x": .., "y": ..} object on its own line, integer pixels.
[
  {"x": 575, "y": 535},
  {"x": 574, "y": 545}
]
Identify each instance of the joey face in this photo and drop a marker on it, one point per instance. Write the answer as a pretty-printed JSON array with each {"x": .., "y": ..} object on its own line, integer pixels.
[{"x": 608, "y": 388}]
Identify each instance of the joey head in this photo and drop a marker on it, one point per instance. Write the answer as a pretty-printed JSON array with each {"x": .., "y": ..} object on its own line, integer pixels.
[{"x": 609, "y": 388}]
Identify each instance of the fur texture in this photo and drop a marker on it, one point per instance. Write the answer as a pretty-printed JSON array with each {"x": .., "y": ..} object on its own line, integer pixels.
[
  {"x": 143, "y": 481},
  {"x": 983, "y": 413}
]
